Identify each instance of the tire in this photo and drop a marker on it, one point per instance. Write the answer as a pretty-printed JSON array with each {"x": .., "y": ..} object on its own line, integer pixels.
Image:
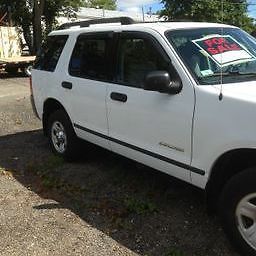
[
  {"x": 237, "y": 210},
  {"x": 12, "y": 70},
  {"x": 62, "y": 137}
]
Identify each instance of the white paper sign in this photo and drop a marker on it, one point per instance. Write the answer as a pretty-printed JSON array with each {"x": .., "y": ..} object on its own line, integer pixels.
[{"x": 224, "y": 50}]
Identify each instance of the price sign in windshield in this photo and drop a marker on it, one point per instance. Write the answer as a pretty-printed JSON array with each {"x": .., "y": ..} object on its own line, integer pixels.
[{"x": 224, "y": 50}]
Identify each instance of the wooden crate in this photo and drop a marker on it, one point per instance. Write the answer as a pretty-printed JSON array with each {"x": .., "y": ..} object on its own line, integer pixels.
[{"x": 9, "y": 43}]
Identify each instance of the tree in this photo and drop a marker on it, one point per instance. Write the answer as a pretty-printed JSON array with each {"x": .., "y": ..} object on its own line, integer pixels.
[
  {"x": 29, "y": 14},
  {"x": 19, "y": 12},
  {"x": 232, "y": 12},
  {"x": 38, "y": 10},
  {"x": 104, "y": 4}
]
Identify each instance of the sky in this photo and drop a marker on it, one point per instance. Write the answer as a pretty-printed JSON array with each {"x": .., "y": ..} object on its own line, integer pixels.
[
  {"x": 136, "y": 5},
  {"x": 252, "y": 8}
]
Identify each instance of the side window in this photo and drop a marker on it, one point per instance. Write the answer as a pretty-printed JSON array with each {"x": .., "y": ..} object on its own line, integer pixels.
[
  {"x": 89, "y": 58},
  {"x": 136, "y": 58},
  {"x": 49, "y": 56}
]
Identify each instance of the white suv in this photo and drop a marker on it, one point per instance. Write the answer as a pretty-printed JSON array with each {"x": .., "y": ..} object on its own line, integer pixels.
[{"x": 179, "y": 97}]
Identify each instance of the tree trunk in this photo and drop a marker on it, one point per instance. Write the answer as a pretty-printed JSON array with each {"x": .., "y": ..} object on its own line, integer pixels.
[
  {"x": 28, "y": 37},
  {"x": 49, "y": 26},
  {"x": 37, "y": 25}
]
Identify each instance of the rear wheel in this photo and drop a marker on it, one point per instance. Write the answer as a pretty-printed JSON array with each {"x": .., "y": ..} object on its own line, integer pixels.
[
  {"x": 238, "y": 211},
  {"x": 62, "y": 137}
]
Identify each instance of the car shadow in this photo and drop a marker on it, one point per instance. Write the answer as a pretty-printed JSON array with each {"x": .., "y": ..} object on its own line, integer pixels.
[
  {"x": 143, "y": 209},
  {"x": 5, "y": 75}
]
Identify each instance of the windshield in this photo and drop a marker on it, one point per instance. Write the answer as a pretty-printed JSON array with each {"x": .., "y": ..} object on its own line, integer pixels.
[{"x": 216, "y": 55}]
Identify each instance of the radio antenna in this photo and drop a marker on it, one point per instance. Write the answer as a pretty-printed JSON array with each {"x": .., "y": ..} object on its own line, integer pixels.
[{"x": 221, "y": 71}]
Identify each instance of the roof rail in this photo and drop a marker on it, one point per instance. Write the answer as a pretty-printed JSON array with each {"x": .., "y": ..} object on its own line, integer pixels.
[{"x": 87, "y": 23}]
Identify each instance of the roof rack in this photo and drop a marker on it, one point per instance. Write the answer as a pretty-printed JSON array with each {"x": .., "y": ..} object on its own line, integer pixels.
[{"x": 87, "y": 23}]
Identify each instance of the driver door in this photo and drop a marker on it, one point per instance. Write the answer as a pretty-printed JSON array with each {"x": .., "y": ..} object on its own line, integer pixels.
[{"x": 148, "y": 126}]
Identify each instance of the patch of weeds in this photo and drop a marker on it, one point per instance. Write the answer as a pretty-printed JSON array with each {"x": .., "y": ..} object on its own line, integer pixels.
[
  {"x": 44, "y": 172},
  {"x": 174, "y": 252},
  {"x": 51, "y": 163},
  {"x": 122, "y": 223},
  {"x": 49, "y": 182},
  {"x": 138, "y": 206},
  {"x": 55, "y": 183}
]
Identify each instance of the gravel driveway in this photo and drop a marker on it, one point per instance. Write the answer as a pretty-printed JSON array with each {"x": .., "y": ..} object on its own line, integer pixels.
[{"x": 101, "y": 205}]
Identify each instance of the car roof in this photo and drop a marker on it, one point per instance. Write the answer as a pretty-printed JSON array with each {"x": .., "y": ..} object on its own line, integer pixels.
[{"x": 157, "y": 26}]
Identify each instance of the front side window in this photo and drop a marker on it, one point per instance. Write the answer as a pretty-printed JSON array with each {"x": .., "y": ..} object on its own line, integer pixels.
[
  {"x": 89, "y": 58},
  {"x": 216, "y": 55},
  {"x": 137, "y": 57},
  {"x": 48, "y": 57}
]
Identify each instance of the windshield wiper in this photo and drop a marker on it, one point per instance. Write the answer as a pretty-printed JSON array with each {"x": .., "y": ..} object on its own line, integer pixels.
[{"x": 230, "y": 73}]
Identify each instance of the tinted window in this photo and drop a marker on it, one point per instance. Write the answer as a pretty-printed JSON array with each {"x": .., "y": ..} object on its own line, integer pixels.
[
  {"x": 137, "y": 57},
  {"x": 49, "y": 56},
  {"x": 89, "y": 58}
]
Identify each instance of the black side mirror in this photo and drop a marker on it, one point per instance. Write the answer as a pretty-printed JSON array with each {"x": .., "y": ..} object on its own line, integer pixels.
[{"x": 160, "y": 81}]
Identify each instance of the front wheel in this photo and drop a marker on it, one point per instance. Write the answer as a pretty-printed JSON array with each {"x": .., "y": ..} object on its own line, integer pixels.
[
  {"x": 62, "y": 137},
  {"x": 238, "y": 211}
]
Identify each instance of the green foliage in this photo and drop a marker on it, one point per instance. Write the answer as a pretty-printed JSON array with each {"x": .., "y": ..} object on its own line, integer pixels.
[
  {"x": 103, "y": 4},
  {"x": 231, "y": 12},
  {"x": 52, "y": 163},
  {"x": 28, "y": 14},
  {"x": 138, "y": 206},
  {"x": 49, "y": 179},
  {"x": 174, "y": 252},
  {"x": 23, "y": 14}
]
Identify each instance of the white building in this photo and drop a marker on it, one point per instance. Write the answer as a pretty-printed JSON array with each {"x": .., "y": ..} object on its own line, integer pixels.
[{"x": 93, "y": 13}]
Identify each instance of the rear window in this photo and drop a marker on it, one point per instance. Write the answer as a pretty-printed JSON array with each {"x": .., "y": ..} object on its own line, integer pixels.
[{"x": 48, "y": 57}]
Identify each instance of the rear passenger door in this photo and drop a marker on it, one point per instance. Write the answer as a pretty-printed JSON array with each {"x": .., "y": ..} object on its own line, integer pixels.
[{"x": 89, "y": 75}]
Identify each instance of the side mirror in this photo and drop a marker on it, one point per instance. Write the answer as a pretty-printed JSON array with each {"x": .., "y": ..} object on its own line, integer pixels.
[{"x": 160, "y": 81}]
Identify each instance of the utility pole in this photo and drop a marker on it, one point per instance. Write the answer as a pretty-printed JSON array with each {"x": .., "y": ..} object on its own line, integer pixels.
[
  {"x": 150, "y": 12},
  {"x": 143, "y": 15}
]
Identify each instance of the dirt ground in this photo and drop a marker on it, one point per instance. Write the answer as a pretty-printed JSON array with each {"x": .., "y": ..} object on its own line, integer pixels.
[{"x": 103, "y": 204}]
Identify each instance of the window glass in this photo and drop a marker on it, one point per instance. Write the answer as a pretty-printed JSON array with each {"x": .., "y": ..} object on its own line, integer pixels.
[
  {"x": 137, "y": 57},
  {"x": 49, "y": 55},
  {"x": 89, "y": 59},
  {"x": 216, "y": 55}
]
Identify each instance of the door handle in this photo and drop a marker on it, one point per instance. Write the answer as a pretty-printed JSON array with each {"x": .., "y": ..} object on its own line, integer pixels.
[
  {"x": 118, "y": 96},
  {"x": 67, "y": 85}
]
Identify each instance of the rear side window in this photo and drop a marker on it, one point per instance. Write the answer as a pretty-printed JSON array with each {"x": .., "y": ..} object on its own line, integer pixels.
[
  {"x": 89, "y": 58},
  {"x": 48, "y": 58}
]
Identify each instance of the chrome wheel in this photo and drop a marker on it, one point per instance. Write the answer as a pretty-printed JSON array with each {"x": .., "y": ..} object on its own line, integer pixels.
[
  {"x": 59, "y": 137},
  {"x": 246, "y": 219}
]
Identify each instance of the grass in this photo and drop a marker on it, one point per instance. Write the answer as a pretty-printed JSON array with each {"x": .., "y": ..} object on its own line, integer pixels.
[
  {"x": 44, "y": 171},
  {"x": 174, "y": 252},
  {"x": 138, "y": 206},
  {"x": 49, "y": 164}
]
